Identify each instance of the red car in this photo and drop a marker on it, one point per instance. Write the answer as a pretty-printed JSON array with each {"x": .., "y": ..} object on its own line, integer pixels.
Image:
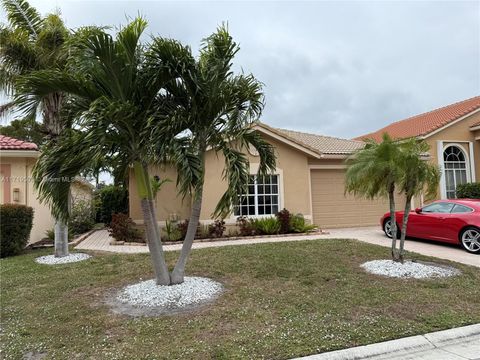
[{"x": 451, "y": 221}]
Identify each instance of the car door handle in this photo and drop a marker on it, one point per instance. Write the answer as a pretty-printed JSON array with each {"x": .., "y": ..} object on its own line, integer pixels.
[{"x": 441, "y": 218}]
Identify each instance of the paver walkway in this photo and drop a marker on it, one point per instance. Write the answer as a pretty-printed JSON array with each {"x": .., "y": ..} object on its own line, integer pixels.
[{"x": 100, "y": 241}]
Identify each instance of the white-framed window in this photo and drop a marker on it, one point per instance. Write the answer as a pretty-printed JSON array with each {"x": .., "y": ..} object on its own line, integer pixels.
[
  {"x": 262, "y": 197},
  {"x": 455, "y": 167}
]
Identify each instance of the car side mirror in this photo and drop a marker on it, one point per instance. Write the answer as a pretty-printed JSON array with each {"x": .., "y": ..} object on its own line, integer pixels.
[{"x": 418, "y": 210}]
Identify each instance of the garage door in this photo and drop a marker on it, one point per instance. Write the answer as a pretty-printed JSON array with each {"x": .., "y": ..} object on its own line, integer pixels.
[{"x": 331, "y": 208}]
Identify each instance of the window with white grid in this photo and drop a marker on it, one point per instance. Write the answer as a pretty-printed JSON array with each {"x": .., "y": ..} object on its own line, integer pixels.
[{"x": 262, "y": 197}]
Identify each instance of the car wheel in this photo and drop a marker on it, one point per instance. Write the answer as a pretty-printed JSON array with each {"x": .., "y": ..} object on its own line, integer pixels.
[
  {"x": 470, "y": 239},
  {"x": 387, "y": 228}
]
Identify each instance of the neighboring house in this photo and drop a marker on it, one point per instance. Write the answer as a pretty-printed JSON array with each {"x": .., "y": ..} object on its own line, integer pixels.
[
  {"x": 17, "y": 159},
  {"x": 453, "y": 133},
  {"x": 309, "y": 179}
]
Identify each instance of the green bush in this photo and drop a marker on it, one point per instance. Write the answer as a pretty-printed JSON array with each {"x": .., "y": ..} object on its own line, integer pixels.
[
  {"x": 122, "y": 228},
  {"x": 266, "y": 226},
  {"x": 15, "y": 227},
  {"x": 299, "y": 225},
  {"x": 82, "y": 217},
  {"x": 468, "y": 191},
  {"x": 111, "y": 200}
]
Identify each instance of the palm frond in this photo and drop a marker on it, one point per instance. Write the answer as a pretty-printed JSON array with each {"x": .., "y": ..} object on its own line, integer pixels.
[{"x": 21, "y": 15}]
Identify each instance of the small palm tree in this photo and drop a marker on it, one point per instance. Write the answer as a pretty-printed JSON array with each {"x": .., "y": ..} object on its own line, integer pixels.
[
  {"x": 373, "y": 172},
  {"x": 220, "y": 109},
  {"x": 31, "y": 43},
  {"x": 417, "y": 176}
]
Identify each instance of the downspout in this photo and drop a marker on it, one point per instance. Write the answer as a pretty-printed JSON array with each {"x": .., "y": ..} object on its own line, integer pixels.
[{"x": 27, "y": 180}]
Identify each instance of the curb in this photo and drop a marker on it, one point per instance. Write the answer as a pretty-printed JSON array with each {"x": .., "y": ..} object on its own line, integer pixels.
[{"x": 403, "y": 346}]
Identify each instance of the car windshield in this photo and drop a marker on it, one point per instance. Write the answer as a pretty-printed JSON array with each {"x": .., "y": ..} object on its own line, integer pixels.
[{"x": 440, "y": 207}]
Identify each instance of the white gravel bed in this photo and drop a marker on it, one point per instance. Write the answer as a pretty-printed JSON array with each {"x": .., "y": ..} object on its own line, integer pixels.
[
  {"x": 71, "y": 258},
  {"x": 408, "y": 269},
  {"x": 193, "y": 291}
]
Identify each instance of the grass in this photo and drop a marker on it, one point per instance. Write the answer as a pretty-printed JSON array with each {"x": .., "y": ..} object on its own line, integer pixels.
[{"x": 282, "y": 300}]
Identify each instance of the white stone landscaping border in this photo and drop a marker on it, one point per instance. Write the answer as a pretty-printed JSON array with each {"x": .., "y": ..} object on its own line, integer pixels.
[
  {"x": 71, "y": 258},
  {"x": 146, "y": 298},
  {"x": 409, "y": 269}
]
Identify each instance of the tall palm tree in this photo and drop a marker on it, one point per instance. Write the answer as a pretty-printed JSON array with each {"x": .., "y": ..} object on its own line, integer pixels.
[
  {"x": 220, "y": 109},
  {"x": 374, "y": 172},
  {"x": 30, "y": 43},
  {"x": 118, "y": 101},
  {"x": 417, "y": 176}
]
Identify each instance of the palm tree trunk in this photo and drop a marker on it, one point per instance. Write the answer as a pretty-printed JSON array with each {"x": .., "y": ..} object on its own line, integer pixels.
[
  {"x": 151, "y": 226},
  {"x": 178, "y": 273},
  {"x": 406, "y": 214},
  {"x": 154, "y": 243},
  {"x": 393, "y": 222},
  {"x": 61, "y": 238}
]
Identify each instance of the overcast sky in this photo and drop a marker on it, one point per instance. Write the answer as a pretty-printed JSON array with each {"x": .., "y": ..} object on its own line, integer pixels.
[{"x": 334, "y": 68}]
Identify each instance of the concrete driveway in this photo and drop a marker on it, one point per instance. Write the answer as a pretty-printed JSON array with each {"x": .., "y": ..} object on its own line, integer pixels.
[{"x": 374, "y": 235}]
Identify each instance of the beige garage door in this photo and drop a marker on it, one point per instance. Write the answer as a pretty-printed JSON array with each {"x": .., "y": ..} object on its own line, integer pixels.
[{"x": 331, "y": 208}]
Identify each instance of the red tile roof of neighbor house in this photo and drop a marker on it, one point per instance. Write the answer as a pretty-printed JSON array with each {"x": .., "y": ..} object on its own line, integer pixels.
[
  {"x": 9, "y": 143},
  {"x": 426, "y": 123}
]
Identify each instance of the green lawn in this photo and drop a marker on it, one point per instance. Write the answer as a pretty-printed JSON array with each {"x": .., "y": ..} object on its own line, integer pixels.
[{"x": 282, "y": 300}]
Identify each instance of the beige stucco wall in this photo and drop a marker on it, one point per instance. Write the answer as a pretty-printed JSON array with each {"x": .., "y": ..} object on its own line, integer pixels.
[
  {"x": 459, "y": 133},
  {"x": 21, "y": 178},
  {"x": 81, "y": 192}
]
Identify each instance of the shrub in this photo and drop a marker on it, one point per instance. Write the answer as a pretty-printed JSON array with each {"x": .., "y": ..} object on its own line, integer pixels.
[
  {"x": 216, "y": 229},
  {"x": 15, "y": 227},
  {"x": 299, "y": 225},
  {"x": 172, "y": 232},
  {"x": 50, "y": 234},
  {"x": 267, "y": 226},
  {"x": 111, "y": 200},
  {"x": 284, "y": 218},
  {"x": 183, "y": 227},
  {"x": 245, "y": 226},
  {"x": 203, "y": 231},
  {"x": 122, "y": 228},
  {"x": 468, "y": 191},
  {"x": 82, "y": 217}
]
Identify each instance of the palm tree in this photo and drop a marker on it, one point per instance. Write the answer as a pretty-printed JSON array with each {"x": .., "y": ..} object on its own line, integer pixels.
[
  {"x": 31, "y": 43},
  {"x": 417, "y": 176},
  {"x": 221, "y": 109},
  {"x": 119, "y": 103},
  {"x": 374, "y": 172}
]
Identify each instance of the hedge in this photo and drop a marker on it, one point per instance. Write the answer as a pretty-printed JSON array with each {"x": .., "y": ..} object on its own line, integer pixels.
[
  {"x": 111, "y": 200},
  {"x": 15, "y": 227},
  {"x": 468, "y": 191}
]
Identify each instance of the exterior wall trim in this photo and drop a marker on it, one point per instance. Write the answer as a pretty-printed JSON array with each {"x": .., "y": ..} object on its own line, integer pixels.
[
  {"x": 475, "y": 128},
  {"x": 472, "y": 161},
  {"x": 325, "y": 167},
  {"x": 450, "y": 124},
  {"x": 20, "y": 153},
  {"x": 443, "y": 189}
]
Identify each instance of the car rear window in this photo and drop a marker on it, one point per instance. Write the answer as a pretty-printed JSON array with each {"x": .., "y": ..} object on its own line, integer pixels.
[{"x": 461, "y": 209}]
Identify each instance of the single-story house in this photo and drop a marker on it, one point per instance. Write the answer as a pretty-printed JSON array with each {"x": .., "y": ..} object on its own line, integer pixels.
[
  {"x": 453, "y": 133},
  {"x": 309, "y": 178},
  {"x": 17, "y": 159}
]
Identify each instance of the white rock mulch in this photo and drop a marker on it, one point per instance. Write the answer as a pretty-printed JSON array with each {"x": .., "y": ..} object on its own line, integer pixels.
[
  {"x": 193, "y": 291},
  {"x": 408, "y": 269},
  {"x": 71, "y": 258}
]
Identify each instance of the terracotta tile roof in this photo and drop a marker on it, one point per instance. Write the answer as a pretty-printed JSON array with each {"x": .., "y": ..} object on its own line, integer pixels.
[
  {"x": 319, "y": 144},
  {"x": 476, "y": 124},
  {"x": 8, "y": 143},
  {"x": 425, "y": 123}
]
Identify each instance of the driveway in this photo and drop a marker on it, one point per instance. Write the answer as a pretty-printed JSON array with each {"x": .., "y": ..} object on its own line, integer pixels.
[{"x": 374, "y": 235}]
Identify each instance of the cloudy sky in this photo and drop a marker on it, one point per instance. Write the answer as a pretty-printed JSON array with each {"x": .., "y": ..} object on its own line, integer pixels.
[{"x": 336, "y": 68}]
